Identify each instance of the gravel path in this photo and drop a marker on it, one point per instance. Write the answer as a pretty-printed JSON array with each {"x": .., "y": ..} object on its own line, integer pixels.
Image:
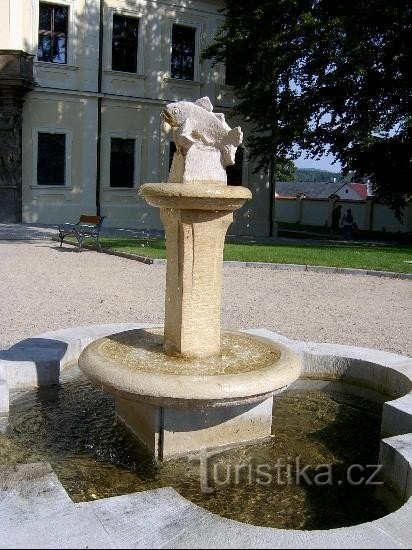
[{"x": 43, "y": 287}]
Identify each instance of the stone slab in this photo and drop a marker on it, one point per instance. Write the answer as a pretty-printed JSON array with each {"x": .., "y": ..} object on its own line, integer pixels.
[
  {"x": 4, "y": 398},
  {"x": 321, "y": 269},
  {"x": 397, "y": 416},
  {"x": 30, "y": 492},
  {"x": 396, "y": 457},
  {"x": 214, "y": 532},
  {"x": 352, "y": 271},
  {"x": 151, "y": 519}
]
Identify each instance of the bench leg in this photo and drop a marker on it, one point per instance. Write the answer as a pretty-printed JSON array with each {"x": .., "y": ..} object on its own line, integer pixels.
[
  {"x": 79, "y": 242},
  {"x": 99, "y": 248},
  {"x": 61, "y": 237}
]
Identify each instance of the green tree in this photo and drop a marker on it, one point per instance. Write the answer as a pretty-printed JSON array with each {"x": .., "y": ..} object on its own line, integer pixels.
[
  {"x": 285, "y": 170},
  {"x": 259, "y": 41},
  {"x": 357, "y": 80},
  {"x": 327, "y": 75}
]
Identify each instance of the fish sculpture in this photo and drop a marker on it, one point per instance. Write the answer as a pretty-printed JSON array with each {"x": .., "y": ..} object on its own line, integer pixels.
[{"x": 205, "y": 143}]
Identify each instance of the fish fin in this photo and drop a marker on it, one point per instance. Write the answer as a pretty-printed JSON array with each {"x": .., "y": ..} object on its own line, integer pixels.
[
  {"x": 183, "y": 136},
  {"x": 204, "y": 103},
  {"x": 220, "y": 116},
  {"x": 229, "y": 154},
  {"x": 234, "y": 137}
]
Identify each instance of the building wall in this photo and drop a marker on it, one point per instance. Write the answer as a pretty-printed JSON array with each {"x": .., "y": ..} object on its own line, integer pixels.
[
  {"x": 368, "y": 216},
  {"x": 66, "y": 100}
]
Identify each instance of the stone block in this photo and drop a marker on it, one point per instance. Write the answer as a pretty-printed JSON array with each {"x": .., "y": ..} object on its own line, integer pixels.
[
  {"x": 150, "y": 519},
  {"x": 169, "y": 432},
  {"x": 396, "y": 458},
  {"x": 397, "y": 416},
  {"x": 4, "y": 398},
  {"x": 185, "y": 431}
]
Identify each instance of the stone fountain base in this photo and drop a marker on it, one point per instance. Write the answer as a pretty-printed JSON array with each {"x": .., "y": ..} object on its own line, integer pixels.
[
  {"x": 175, "y": 405},
  {"x": 170, "y": 432}
]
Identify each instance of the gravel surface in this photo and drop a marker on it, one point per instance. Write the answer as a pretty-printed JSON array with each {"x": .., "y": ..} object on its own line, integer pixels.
[{"x": 45, "y": 288}]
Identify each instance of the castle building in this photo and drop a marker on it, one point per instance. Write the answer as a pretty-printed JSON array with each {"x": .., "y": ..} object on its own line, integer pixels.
[{"x": 82, "y": 86}]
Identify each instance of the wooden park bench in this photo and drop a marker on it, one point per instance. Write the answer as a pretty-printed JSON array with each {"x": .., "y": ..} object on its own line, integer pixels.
[{"x": 87, "y": 227}]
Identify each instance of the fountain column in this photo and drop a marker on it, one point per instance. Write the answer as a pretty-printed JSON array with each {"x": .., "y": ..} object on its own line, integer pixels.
[
  {"x": 194, "y": 241},
  {"x": 195, "y": 218}
]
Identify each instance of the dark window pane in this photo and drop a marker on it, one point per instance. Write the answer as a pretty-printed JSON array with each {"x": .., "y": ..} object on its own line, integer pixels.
[
  {"x": 45, "y": 17},
  {"x": 124, "y": 44},
  {"x": 183, "y": 52},
  {"x": 122, "y": 162},
  {"x": 51, "y": 159},
  {"x": 59, "y": 49},
  {"x": 53, "y": 24},
  {"x": 235, "y": 171},
  {"x": 45, "y": 48},
  {"x": 60, "y": 19}
]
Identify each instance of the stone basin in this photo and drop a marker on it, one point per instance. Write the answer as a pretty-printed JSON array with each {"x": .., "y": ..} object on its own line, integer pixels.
[{"x": 176, "y": 405}]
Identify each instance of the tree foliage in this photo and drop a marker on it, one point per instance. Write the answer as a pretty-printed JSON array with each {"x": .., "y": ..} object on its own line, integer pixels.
[
  {"x": 285, "y": 170},
  {"x": 326, "y": 76}
]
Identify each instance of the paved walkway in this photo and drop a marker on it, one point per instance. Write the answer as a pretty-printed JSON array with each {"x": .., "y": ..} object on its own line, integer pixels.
[{"x": 35, "y": 232}]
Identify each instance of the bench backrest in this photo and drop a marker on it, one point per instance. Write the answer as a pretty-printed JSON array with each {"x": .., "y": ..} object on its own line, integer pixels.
[{"x": 97, "y": 220}]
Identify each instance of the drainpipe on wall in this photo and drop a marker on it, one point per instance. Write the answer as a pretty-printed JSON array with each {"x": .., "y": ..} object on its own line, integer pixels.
[{"x": 99, "y": 108}]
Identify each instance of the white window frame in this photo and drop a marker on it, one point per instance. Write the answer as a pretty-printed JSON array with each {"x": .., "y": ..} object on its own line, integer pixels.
[
  {"x": 140, "y": 40},
  {"x": 68, "y": 156},
  {"x": 138, "y": 143},
  {"x": 71, "y": 32},
  {"x": 184, "y": 22}
]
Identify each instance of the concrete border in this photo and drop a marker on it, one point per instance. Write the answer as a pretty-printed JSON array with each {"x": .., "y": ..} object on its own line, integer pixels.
[{"x": 35, "y": 511}]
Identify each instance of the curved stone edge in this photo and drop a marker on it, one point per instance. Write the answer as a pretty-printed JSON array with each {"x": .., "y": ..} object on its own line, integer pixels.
[
  {"x": 38, "y": 361},
  {"x": 386, "y": 372}
]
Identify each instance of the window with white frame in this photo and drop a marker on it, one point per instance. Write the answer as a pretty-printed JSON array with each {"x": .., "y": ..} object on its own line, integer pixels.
[
  {"x": 183, "y": 52},
  {"x": 125, "y": 39},
  {"x": 51, "y": 158},
  {"x": 53, "y": 33},
  {"x": 122, "y": 162}
]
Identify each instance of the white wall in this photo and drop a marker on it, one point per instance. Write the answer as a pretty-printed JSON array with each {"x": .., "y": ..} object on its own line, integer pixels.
[
  {"x": 66, "y": 99},
  {"x": 367, "y": 215}
]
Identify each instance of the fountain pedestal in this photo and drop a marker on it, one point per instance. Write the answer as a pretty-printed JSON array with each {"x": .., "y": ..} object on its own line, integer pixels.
[
  {"x": 169, "y": 432},
  {"x": 196, "y": 218},
  {"x": 192, "y": 387}
]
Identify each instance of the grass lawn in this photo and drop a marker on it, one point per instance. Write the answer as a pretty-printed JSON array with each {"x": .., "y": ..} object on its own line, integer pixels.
[{"x": 383, "y": 257}]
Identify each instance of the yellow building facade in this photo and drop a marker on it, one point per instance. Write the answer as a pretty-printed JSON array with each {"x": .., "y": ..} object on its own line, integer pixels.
[{"x": 91, "y": 131}]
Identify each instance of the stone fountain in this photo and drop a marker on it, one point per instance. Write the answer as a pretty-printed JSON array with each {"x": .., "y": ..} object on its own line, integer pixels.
[{"x": 191, "y": 385}]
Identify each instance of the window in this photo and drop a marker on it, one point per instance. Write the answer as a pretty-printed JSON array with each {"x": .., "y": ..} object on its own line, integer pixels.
[
  {"x": 53, "y": 24},
  {"x": 51, "y": 159},
  {"x": 183, "y": 52},
  {"x": 124, "y": 43},
  {"x": 122, "y": 162},
  {"x": 235, "y": 171}
]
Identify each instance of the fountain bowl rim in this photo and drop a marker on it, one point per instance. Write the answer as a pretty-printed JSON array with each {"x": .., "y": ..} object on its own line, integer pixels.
[{"x": 192, "y": 391}]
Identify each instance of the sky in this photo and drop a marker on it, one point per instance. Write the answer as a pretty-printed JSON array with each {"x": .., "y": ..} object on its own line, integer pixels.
[{"x": 323, "y": 163}]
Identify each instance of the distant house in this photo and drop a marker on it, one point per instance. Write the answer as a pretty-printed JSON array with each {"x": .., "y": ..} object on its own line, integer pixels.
[{"x": 318, "y": 190}]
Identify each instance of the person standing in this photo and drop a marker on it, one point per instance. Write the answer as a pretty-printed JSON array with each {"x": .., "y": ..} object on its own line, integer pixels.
[
  {"x": 347, "y": 224},
  {"x": 336, "y": 215}
]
